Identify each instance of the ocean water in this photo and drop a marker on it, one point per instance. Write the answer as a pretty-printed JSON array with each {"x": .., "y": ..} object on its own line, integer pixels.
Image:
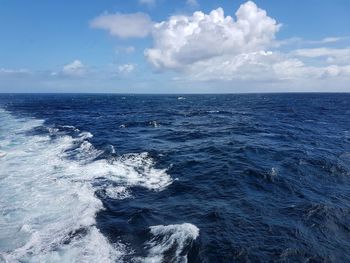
[{"x": 169, "y": 178}]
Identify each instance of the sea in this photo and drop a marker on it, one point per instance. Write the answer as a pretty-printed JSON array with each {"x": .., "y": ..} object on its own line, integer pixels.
[{"x": 175, "y": 178}]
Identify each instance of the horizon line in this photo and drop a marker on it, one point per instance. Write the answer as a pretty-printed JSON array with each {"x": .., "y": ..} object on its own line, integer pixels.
[{"x": 154, "y": 93}]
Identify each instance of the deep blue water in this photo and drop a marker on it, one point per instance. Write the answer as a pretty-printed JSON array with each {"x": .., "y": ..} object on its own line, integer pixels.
[{"x": 264, "y": 177}]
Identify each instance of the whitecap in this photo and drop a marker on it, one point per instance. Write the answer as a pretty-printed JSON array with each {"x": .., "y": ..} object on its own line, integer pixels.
[
  {"x": 85, "y": 135},
  {"x": 86, "y": 152},
  {"x": 273, "y": 172},
  {"x": 118, "y": 192},
  {"x": 70, "y": 127},
  {"x": 134, "y": 169},
  {"x": 170, "y": 243},
  {"x": 112, "y": 149},
  {"x": 53, "y": 130}
]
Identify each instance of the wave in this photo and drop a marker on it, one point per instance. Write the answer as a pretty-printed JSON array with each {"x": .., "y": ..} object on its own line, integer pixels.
[
  {"x": 171, "y": 243},
  {"x": 144, "y": 124},
  {"x": 119, "y": 192},
  {"x": 48, "y": 200}
]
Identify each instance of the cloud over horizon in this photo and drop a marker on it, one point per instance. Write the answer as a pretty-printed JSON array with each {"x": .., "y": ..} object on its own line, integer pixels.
[
  {"x": 213, "y": 46},
  {"x": 201, "y": 48},
  {"x": 74, "y": 69}
]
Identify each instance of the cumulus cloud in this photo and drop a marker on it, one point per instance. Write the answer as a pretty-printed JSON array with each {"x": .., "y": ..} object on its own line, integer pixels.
[
  {"x": 263, "y": 66},
  {"x": 244, "y": 66},
  {"x": 126, "y": 68},
  {"x": 74, "y": 69},
  {"x": 185, "y": 40},
  {"x": 215, "y": 46},
  {"x": 134, "y": 25},
  {"x": 218, "y": 47}
]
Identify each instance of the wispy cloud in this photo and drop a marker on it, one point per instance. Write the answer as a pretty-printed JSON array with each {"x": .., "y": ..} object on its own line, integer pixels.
[
  {"x": 6, "y": 71},
  {"x": 134, "y": 25},
  {"x": 192, "y": 3},
  {"x": 126, "y": 68},
  {"x": 322, "y": 52},
  {"x": 300, "y": 41},
  {"x": 330, "y": 55},
  {"x": 147, "y": 2}
]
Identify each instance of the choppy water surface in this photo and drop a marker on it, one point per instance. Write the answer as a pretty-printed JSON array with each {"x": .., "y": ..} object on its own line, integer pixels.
[{"x": 195, "y": 178}]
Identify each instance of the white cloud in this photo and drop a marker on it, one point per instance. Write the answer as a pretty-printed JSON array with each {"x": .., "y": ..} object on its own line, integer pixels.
[
  {"x": 244, "y": 66},
  {"x": 184, "y": 40},
  {"x": 217, "y": 47},
  {"x": 238, "y": 49},
  {"x": 124, "y": 25},
  {"x": 332, "y": 55},
  {"x": 321, "y": 52},
  {"x": 126, "y": 68},
  {"x": 74, "y": 69},
  {"x": 263, "y": 66},
  {"x": 330, "y": 40},
  {"x": 297, "y": 41}
]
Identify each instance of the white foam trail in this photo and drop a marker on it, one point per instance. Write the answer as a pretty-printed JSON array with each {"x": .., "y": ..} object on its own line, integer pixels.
[
  {"x": 85, "y": 135},
  {"x": 47, "y": 201},
  {"x": 119, "y": 192},
  {"x": 71, "y": 128},
  {"x": 170, "y": 243}
]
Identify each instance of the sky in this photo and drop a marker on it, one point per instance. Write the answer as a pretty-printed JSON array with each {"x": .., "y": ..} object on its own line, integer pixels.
[{"x": 174, "y": 46}]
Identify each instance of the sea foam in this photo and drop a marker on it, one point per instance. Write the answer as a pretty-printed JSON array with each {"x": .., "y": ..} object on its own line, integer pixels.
[
  {"x": 48, "y": 201},
  {"x": 170, "y": 243}
]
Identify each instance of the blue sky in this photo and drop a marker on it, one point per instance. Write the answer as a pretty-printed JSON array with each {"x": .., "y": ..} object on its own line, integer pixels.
[{"x": 162, "y": 46}]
